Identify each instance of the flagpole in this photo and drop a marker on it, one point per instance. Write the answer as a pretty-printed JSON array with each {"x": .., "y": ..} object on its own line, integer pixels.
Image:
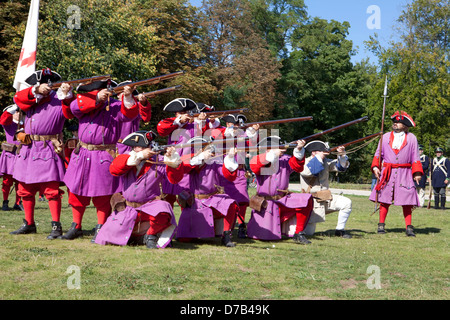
[{"x": 27, "y": 59}]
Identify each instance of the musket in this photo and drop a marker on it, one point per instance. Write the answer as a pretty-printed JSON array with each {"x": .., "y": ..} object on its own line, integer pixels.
[
  {"x": 381, "y": 144},
  {"x": 152, "y": 94},
  {"x": 146, "y": 82},
  {"x": 162, "y": 148},
  {"x": 293, "y": 144},
  {"x": 356, "y": 141},
  {"x": 217, "y": 112},
  {"x": 55, "y": 85},
  {"x": 271, "y": 122}
]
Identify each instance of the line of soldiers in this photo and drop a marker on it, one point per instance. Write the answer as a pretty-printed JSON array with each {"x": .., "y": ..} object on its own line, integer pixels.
[{"x": 134, "y": 192}]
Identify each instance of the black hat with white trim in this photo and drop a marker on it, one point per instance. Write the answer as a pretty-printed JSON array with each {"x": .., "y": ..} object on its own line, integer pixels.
[
  {"x": 180, "y": 105},
  {"x": 317, "y": 145},
  {"x": 235, "y": 118},
  {"x": 97, "y": 85},
  {"x": 43, "y": 76},
  {"x": 139, "y": 138}
]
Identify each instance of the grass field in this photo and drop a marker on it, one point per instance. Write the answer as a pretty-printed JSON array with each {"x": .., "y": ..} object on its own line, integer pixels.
[{"x": 33, "y": 268}]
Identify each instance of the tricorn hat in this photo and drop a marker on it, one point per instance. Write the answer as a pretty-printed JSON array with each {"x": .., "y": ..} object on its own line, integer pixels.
[
  {"x": 270, "y": 141},
  {"x": 135, "y": 92},
  {"x": 97, "y": 85},
  {"x": 317, "y": 145},
  {"x": 203, "y": 107},
  {"x": 180, "y": 105},
  {"x": 235, "y": 118},
  {"x": 403, "y": 117},
  {"x": 139, "y": 138},
  {"x": 43, "y": 76}
]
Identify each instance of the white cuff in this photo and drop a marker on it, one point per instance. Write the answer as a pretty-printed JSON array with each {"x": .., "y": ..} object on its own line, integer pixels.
[
  {"x": 215, "y": 124},
  {"x": 12, "y": 109},
  {"x": 128, "y": 101},
  {"x": 230, "y": 163},
  {"x": 178, "y": 123},
  {"x": 135, "y": 158},
  {"x": 270, "y": 156},
  {"x": 174, "y": 161},
  {"x": 61, "y": 95},
  {"x": 197, "y": 160},
  {"x": 299, "y": 154}
]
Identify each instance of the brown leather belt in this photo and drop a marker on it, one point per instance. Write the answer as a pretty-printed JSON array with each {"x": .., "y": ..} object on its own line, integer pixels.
[
  {"x": 56, "y": 140},
  {"x": 277, "y": 196},
  {"x": 98, "y": 147},
  {"x": 205, "y": 195},
  {"x": 140, "y": 204}
]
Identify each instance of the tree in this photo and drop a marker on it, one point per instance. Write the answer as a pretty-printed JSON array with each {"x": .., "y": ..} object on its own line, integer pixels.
[{"x": 418, "y": 68}]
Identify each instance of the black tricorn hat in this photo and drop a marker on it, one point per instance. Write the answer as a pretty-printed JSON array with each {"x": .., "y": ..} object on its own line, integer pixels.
[
  {"x": 135, "y": 92},
  {"x": 139, "y": 138},
  {"x": 317, "y": 145},
  {"x": 235, "y": 118},
  {"x": 97, "y": 85},
  {"x": 180, "y": 105},
  {"x": 203, "y": 107},
  {"x": 403, "y": 117},
  {"x": 43, "y": 76},
  {"x": 271, "y": 141}
]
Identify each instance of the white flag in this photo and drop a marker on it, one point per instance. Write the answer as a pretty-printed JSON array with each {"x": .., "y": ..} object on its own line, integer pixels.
[{"x": 27, "y": 59}]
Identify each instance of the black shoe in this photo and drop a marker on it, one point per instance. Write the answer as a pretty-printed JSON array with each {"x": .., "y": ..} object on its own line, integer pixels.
[
  {"x": 381, "y": 229},
  {"x": 151, "y": 241},
  {"x": 96, "y": 230},
  {"x": 300, "y": 238},
  {"x": 242, "y": 231},
  {"x": 18, "y": 207},
  {"x": 73, "y": 232},
  {"x": 25, "y": 228},
  {"x": 5, "y": 206},
  {"x": 343, "y": 234},
  {"x": 410, "y": 231},
  {"x": 56, "y": 231},
  {"x": 226, "y": 239}
]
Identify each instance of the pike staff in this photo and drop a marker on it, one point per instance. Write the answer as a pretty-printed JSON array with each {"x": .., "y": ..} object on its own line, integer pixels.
[{"x": 381, "y": 142}]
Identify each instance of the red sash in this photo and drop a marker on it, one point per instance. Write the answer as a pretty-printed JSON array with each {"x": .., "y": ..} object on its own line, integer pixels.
[{"x": 387, "y": 173}]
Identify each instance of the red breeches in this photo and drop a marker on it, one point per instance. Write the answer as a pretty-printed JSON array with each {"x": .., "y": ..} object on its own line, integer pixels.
[{"x": 79, "y": 204}]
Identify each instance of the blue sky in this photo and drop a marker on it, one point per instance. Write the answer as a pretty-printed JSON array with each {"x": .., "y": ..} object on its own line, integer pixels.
[{"x": 366, "y": 17}]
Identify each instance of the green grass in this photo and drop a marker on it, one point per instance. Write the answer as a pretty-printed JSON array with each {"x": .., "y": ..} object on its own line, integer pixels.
[{"x": 32, "y": 267}]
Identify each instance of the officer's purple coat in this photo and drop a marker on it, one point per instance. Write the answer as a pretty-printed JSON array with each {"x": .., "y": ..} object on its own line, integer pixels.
[
  {"x": 400, "y": 189},
  {"x": 38, "y": 162},
  {"x": 88, "y": 171},
  {"x": 144, "y": 189}
]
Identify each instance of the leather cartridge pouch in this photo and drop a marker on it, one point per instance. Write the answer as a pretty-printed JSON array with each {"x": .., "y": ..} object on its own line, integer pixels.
[
  {"x": 118, "y": 202},
  {"x": 322, "y": 195},
  {"x": 185, "y": 199},
  {"x": 257, "y": 202},
  {"x": 10, "y": 147},
  {"x": 23, "y": 137}
]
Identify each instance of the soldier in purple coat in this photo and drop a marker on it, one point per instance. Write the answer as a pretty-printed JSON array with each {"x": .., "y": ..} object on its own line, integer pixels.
[
  {"x": 88, "y": 176},
  {"x": 282, "y": 212},
  {"x": 39, "y": 164},
  {"x": 140, "y": 211},
  {"x": 10, "y": 122},
  {"x": 401, "y": 167},
  {"x": 206, "y": 210}
]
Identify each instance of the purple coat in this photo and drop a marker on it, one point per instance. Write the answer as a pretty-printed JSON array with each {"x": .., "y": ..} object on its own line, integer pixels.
[
  {"x": 265, "y": 225},
  {"x": 119, "y": 225},
  {"x": 8, "y": 159},
  {"x": 38, "y": 162},
  {"x": 400, "y": 189},
  {"x": 197, "y": 221},
  {"x": 88, "y": 171}
]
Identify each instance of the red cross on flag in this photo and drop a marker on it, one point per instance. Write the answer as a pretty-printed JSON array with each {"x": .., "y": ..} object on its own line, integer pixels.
[{"x": 27, "y": 60}]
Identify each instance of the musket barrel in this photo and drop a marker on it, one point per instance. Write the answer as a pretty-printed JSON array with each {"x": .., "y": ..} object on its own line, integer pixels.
[
  {"x": 356, "y": 141},
  {"x": 161, "y": 91},
  {"x": 272, "y": 122},
  {"x": 84, "y": 80},
  {"x": 150, "y": 81},
  {"x": 342, "y": 126}
]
